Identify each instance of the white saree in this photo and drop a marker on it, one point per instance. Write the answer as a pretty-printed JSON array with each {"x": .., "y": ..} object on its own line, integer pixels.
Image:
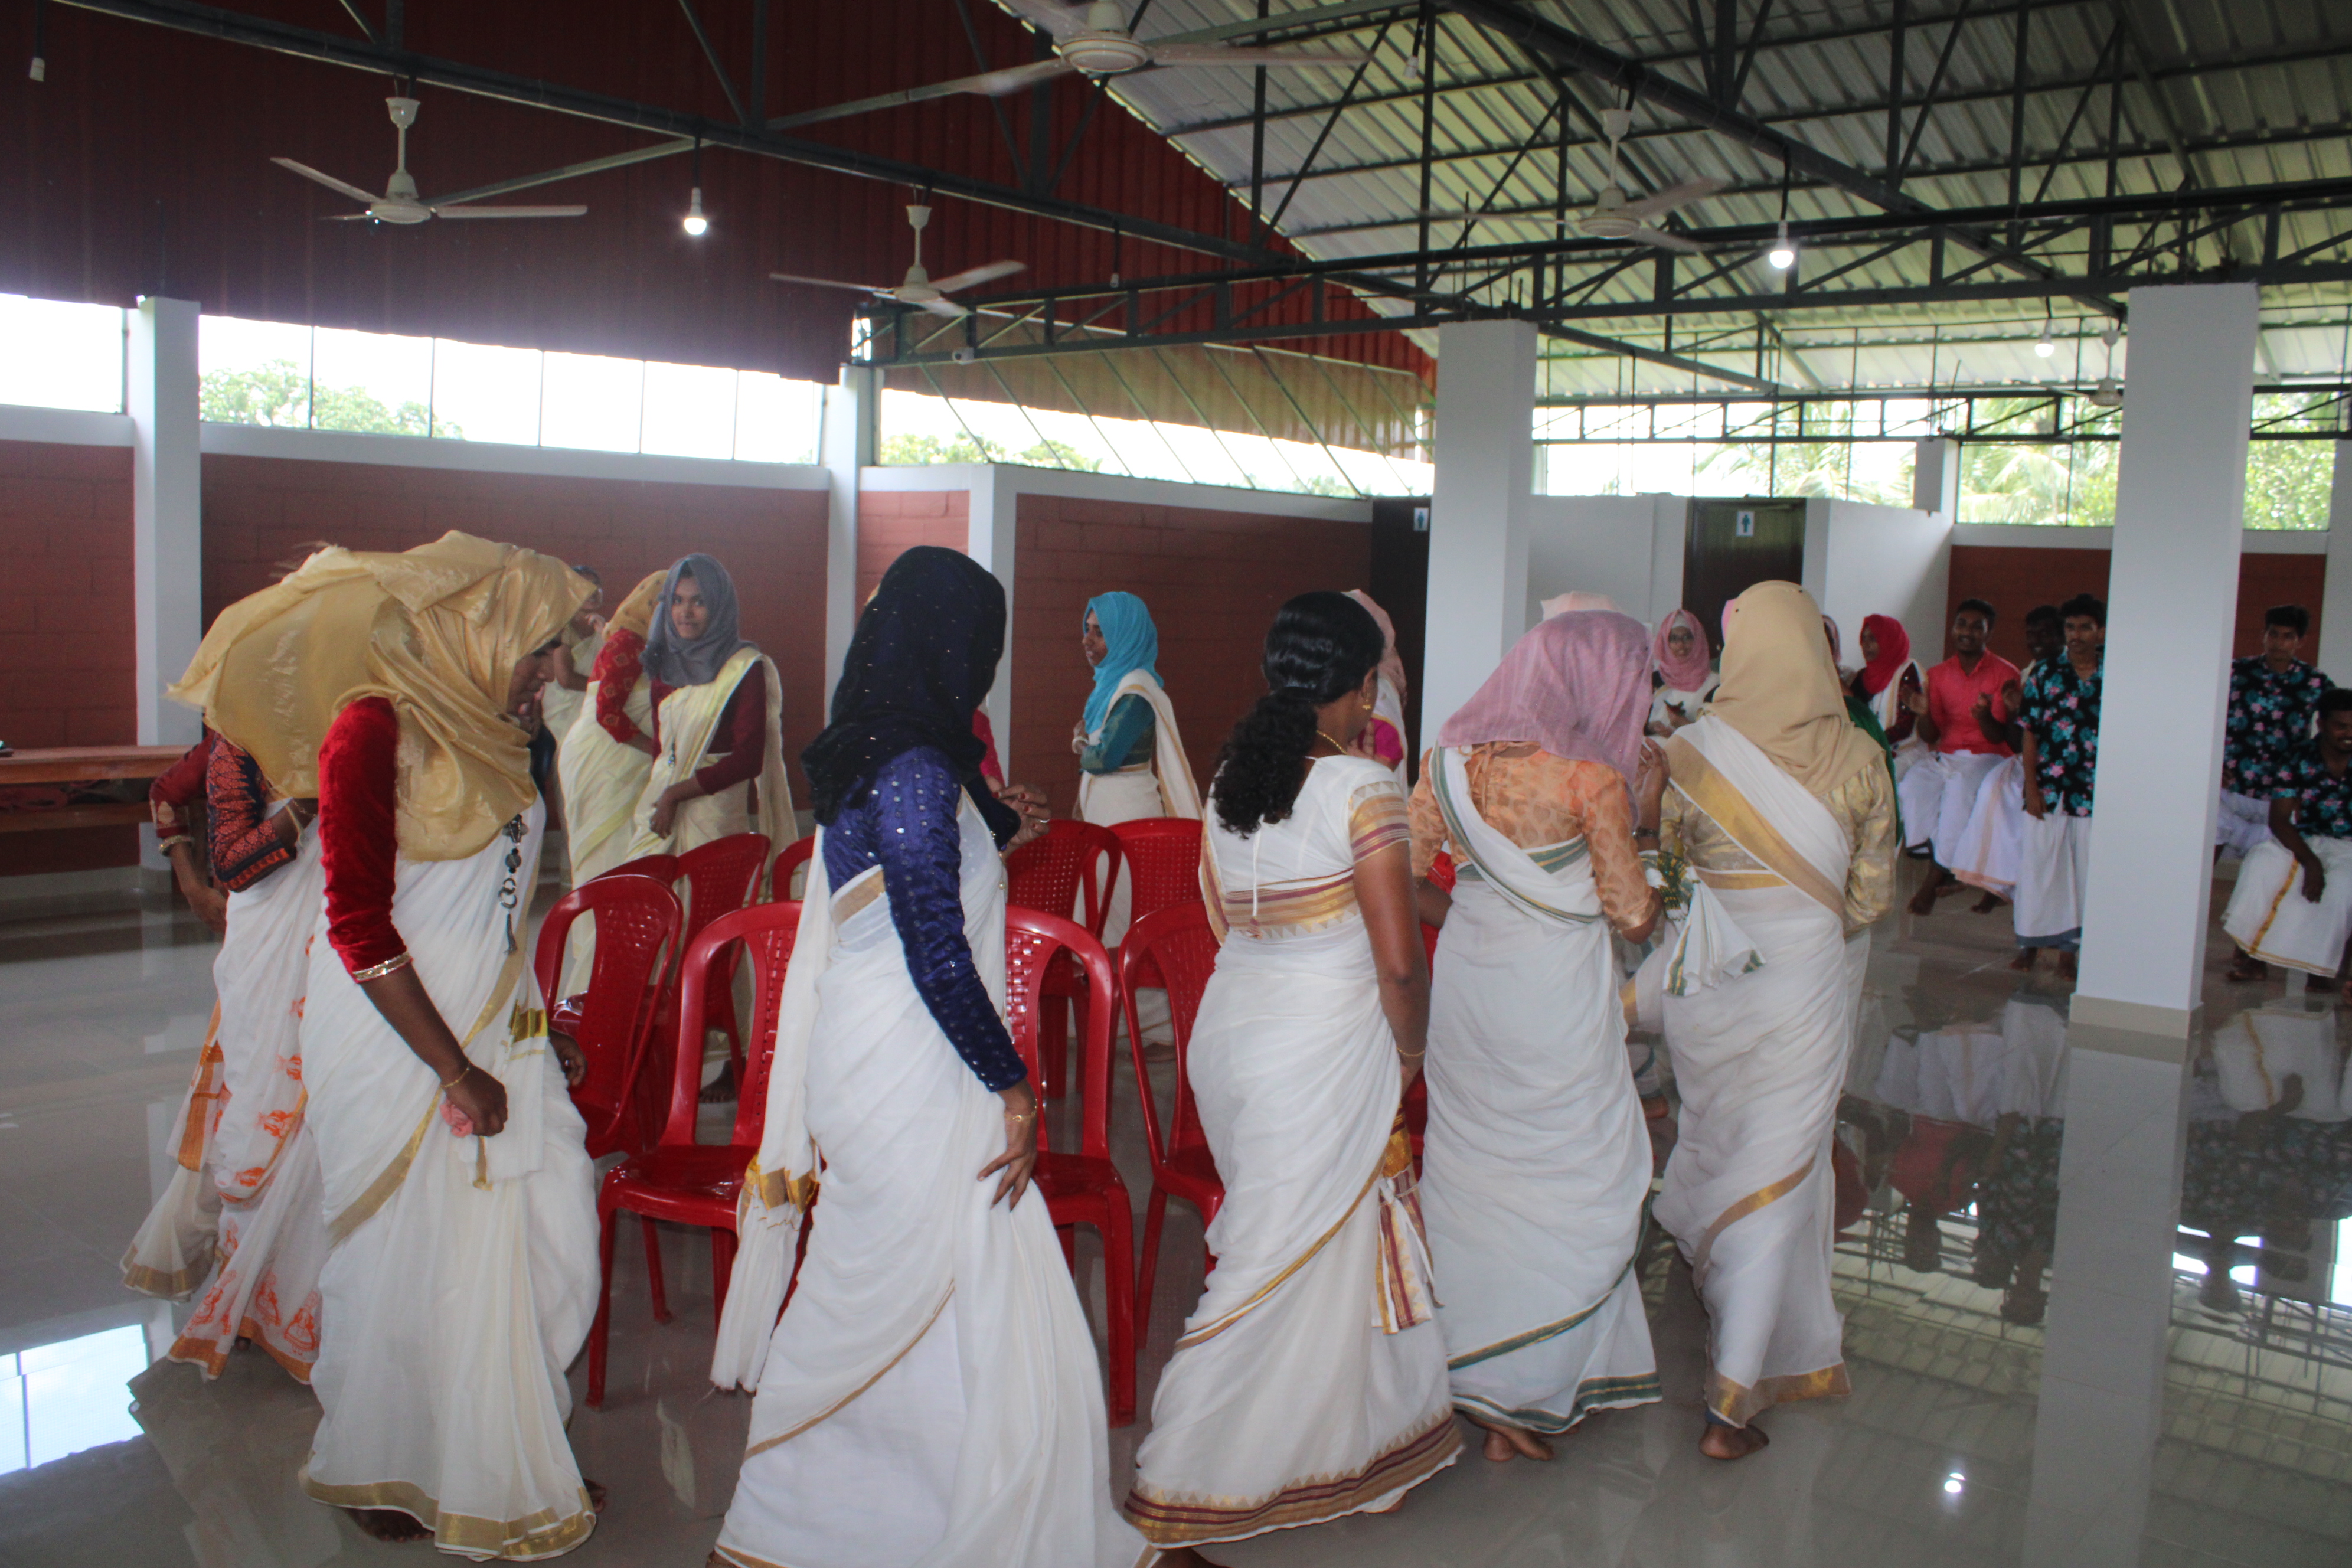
[
  {"x": 1536, "y": 1163},
  {"x": 462, "y": 1275},
  {"x": 1759, "y": 1058},
  {"x": 690, "y": 723},
  {"x": 931, "y": 1395},
  {"x": 2270, "y": 917},
  {"x": 1309, "y": 1381}
]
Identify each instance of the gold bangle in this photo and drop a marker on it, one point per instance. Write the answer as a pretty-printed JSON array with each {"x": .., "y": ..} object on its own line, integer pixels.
[
  {"x": 449, "y": 1084},
  {"x": 378, "y": 970},
  {"x": 165, "y": 846},
  {"x": 1415, "y": 1056}
]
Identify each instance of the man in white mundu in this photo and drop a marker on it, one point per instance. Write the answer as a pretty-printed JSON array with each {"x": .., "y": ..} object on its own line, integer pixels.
[
  {"x": 459, "y": 1201},
  {"x": 2293, "y": 904},
  {"x": 2060, "y": 756},
  {"x": 1986, "y": 854},
  {"x": 1784, "y": 810},
  {"x": 1536, "y": 1170}
]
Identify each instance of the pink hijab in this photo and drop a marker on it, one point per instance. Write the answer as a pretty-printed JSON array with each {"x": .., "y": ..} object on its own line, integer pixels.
[
  {"x": 1563, "y": 603},
  {"x": 1391, "y": 661},
  {"x": 1578, "y": 686},
  {"x": 1689, "y": 672}
]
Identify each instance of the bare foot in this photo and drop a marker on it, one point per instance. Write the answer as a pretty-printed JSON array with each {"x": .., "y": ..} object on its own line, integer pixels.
[
  {"x": 721, "y": 1091},
  {"x": 1923, "y": 902},
  {"x": 388, "y": 1525},
  {"x": 1722, "y": 1442},
  {"x": 2066, "y": 966},
  {"x": 2246, "y": 968},
  {"x": 1986, "y": 904},
  {"x": 595, "y": 1494},
  {"x": 2023, "y": 962},
  {"x": 1505, "y": 1443}
]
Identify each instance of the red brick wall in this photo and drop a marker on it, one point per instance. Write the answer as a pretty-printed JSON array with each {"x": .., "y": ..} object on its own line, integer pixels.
[
  {"x": 772, "y": 543},
  {"x": 2015, "y": 578},
  {"x": 1213, "y": 579},
  {"x": 891, "y": 522},
  {"x": 65, "y": 648}
]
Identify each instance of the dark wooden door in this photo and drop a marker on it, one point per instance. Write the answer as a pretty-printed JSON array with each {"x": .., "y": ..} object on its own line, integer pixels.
[
  {"x": 1731, "y": 546},
  {"x": 1400, "y": 585}
]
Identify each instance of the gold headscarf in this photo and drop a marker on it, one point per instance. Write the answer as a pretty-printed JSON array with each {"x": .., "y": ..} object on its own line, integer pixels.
[
  {"x": 1779, "y": 689},
  {"x": 636, "y": 612},
  {"x": 436, "y": 630}
]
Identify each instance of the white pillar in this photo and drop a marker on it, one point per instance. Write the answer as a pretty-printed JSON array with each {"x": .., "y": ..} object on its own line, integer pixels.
[
  {"x": 167, "y": 514},
  {"x": 847, "y": 440},
  {"x": 2336, "y": 605},
  {"x": 2172, "y": 596},
  {"x": 991, "y": 540},
  {"x": 1478, "y": 510},
  {"x": 1936, "y": 477}
]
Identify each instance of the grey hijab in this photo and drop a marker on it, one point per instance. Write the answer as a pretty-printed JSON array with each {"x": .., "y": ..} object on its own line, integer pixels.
[{"x": 676, "y": 662}]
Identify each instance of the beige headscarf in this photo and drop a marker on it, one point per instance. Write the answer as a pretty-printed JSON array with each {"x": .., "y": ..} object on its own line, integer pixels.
[
  {"x": 436, "y": 630},
  {"x": 636, "y": 612},
  {"x": 1780, "y": 691}
]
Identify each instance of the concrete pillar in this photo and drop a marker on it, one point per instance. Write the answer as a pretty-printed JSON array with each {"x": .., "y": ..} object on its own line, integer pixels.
[
  {"x": 847, "y": 437},
  {"x": 167, "y": 514},
  {"x": 2336, "y": 607},
  {"x": 2172, "y": 597},
  {"x": 991, "y": 540},
  {"x": 1479, "y": 510},
  {"x": 1936, "y": 478}
]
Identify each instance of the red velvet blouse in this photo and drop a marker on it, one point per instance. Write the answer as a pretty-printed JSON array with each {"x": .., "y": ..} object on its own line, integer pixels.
[
  {"x": 178, "y": 787},
  {"x": 618, "y": 665},
  {"x": 357, "y": 793},
  {"x": 742, "y": 732}
]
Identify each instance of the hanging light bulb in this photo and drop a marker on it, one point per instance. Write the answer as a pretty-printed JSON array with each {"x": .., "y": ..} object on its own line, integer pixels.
[
  {"x": 696, "y": 224},
  {"x": 1783, "y": 254},
  {"x": 2045, "y": 345}
]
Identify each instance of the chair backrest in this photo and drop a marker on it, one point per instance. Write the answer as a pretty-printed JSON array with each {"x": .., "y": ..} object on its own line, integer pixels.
[
  {"x": 1163, "y": 861},
  {"x": 637, "y": 924},
  {"x": 767, "y": 932},
  {"x": 1177, "y": 944},
  {"x": 795, "y": 855},
  {"x": 661, "y": 867},
  {"x": 1032, "y": 940},
  {"x": 1069, "y": 871},
  {"x": 720, "y": 877}
]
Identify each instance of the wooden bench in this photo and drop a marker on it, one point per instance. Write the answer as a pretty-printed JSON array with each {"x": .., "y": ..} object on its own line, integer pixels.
[{"x": 81, "y": 764}]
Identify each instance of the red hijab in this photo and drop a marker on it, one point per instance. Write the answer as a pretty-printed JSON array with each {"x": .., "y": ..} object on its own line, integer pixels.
[{"x": 1893, "y": 652}]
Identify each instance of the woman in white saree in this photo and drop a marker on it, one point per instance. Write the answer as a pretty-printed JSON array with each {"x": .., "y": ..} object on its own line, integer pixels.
[
  {"x": 1537, "y": 1166},
  {"x": 931, "y": 1395},
  {"x": 602, "y": 775},
  {"x": 461, "y": 1272},
  {"x": 1784, "y": 813},
  {"x": 1310, "y": 1381}
]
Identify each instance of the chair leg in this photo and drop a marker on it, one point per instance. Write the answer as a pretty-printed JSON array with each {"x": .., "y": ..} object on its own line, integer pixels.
[
  {"x": 600, "y": 1331},
  {"x": 1148, "y": 1264},
  {"x": 1118, "y": 1302},
  {"x": 654, "y": 1271},
  {"x": 722, "y": 1269}
]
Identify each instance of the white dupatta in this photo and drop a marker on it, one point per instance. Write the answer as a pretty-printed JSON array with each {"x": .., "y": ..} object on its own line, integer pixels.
[
  {"x": 1178, "y": 795},
  {"x": 689, "y": 723}
]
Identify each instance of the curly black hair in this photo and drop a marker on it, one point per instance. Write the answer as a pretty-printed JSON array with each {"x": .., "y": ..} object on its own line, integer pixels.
[{"x": 1320, "y": 648}]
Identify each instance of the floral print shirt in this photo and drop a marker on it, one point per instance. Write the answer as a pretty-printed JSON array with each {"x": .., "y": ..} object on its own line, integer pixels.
[
  {"x": 2323, "y": 800},
  {"x": 2061, "y": 709},
  {"x": 2271, "y": 716}
]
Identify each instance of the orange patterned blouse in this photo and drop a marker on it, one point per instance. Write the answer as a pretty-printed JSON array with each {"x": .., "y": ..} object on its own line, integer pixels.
[{"x": 1534, "y": 798}]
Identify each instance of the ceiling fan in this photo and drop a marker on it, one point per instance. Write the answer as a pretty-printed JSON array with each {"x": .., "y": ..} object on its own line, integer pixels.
[
  {"x": 918, "y": 289},
  {"x": 1092, "y": 41},
  {"x": 1611, "y": 216},
  {"x": 400, "y": 203},
  {"x": 2109, "y": 392}
]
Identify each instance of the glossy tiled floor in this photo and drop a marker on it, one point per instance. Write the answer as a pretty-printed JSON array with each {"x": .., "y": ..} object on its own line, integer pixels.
[{"x": 2089, "y": 1295}]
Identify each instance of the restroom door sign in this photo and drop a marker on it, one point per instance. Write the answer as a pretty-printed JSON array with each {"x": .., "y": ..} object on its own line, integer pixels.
[{"x": 1745, "y": 528}]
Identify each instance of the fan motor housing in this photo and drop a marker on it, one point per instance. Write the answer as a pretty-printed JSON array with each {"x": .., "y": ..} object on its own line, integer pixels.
[{"x": 1104, "y": 54}]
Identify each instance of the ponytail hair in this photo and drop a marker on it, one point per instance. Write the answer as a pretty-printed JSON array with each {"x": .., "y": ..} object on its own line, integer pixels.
[{"x": 1321, "y": 646}]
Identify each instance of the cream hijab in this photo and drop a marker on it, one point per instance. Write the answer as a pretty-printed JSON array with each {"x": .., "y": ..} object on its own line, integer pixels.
[
  {"x": 1780, "y": 691},
  {"x": 437, "y": 631},
  {"x": 635, "y": 615}
]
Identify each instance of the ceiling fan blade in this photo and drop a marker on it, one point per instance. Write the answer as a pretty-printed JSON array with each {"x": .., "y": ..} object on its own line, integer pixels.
[
  {"x": 1666, "y": 241},
  {"x": 479, "y": 211},
  {"x": 948, "y": 308},
  {"x": 1059, "y": 20},
  {"x": 825, "y": 283},
  {"x": 1220, "y": 54},
  {"x": 1673, "y": 196},
  {"x": 985, "y": 274},
  {"x": 329, "y": 181},
  {"x": 347, "y": 218},
  {"x": 997, "y": 84},
  {"x": 1458, "y": 215}
]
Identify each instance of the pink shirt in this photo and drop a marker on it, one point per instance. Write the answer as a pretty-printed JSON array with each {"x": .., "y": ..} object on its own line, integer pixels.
[{"x": 1952, "y": 694}]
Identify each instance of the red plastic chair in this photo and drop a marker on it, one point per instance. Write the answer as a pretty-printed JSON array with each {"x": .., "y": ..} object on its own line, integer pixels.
[
  {"x": 679, "y": 1179},
  {"x": 1070, "y": 872},
  {"x": 1177, "y": 947},
  {"x": 722, "y": 877},
  {"x": 661, "y": 867},
  {"x": 637, "y": 921},
  {"x": 1163, "y": 868},
  {"x": 1081, "y": 1188},
  {"x": 795, "y": 856}
]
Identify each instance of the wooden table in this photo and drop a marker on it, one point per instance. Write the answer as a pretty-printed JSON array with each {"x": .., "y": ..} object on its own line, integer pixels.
[{"x": 81, "y": 764}]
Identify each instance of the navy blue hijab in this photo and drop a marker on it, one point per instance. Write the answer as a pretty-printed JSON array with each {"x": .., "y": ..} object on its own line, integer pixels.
[{"x": 924, "y": 655}]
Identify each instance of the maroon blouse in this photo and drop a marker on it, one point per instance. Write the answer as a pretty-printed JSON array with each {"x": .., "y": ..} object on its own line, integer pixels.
[
  {"x": 743, "y": 728},
  {"x": 358, "y": 797}
]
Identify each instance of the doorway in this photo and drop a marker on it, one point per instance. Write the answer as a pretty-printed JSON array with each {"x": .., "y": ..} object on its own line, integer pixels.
[{"x": 1731, "y": 546}]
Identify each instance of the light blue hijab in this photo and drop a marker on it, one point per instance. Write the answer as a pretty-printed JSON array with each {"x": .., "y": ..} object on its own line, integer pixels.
[{"x": 1130, "y": 642}]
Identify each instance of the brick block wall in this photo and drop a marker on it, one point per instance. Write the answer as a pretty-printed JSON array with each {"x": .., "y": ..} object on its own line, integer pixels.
[
  {"x": 2013, "y": 579},
  {"x": 67, "y": 647},
  {"x": 259, "y": 510},
  {"x": 891, "y": 522},
  {"x": 1212, "y": 580}
]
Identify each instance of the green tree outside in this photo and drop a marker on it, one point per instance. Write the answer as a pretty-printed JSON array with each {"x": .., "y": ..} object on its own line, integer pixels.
[{"x": 277, "y": 395}]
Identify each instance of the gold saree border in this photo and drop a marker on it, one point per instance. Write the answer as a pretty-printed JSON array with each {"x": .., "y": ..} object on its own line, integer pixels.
[
  {"x": 1739, "y": 1403},
  {"x": 546, "y": 1533},
  {"x": 210, "y": 1085},
  {"x": 171, "y": 1287},
  {"x": 1184, "y": 1520},
  {"x": 1569, "y": 851},
  {"x": 838, "y": 1405},
  {"x": 777, "y": 1188},
  {"x": 1704, "y": 785},
  {"x": 1593, "y": 1393},
  {"x": 1211, "y": 1331},
  {"x": 1762, "y": 1197},
  {"x": 862, "y": 890},
  {"x": 1536, "y": 1336}
]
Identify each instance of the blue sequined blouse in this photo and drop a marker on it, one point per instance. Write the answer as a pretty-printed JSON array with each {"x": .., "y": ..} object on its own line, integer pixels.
[{"x": 904, "y": 821}]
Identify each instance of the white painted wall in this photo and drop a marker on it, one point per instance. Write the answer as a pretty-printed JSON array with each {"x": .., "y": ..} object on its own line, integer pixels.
[
  {"x": 1628, "y": 547},
  {"x": 1479, "y": 510},
  {"x": 1883, "y": 560}
]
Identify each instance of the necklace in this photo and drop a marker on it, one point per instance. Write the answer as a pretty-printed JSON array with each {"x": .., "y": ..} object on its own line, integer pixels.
[{"x": 1332, "y": 743}]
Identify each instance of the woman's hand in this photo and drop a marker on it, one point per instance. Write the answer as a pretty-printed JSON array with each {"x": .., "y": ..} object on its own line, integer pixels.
[
  {"x": 1020, "y": 1156},
  {"x": 1078, "y": 738},
  {"x": 1650, "y": 785},
  {"x": 664, "y": 813},
  {"x": 567, "y": 1051},
  {"x": 1036, "y": 816},
  {"x": 2036, "y": 807},
  {"x": 481, "y": 1099},
  {"x": 209, "y": 902},
  {"x": 1915, "y": 701}
]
